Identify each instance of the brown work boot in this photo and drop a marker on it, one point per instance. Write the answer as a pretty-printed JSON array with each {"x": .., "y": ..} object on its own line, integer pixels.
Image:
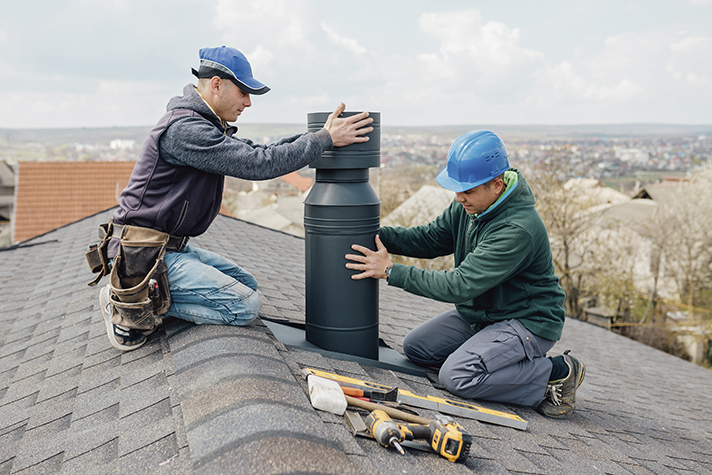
[
  {"x": 121, "y": 338},
  {"x": 560, "y": 397}
]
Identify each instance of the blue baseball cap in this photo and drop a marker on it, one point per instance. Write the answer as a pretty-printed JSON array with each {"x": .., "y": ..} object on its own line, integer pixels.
[{"x": 229, "y": 63}]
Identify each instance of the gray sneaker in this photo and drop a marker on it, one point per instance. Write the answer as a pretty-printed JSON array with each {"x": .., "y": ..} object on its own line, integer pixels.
[
  {"x": 560, "y": 396},
  {"x": 121, "y": 338}
]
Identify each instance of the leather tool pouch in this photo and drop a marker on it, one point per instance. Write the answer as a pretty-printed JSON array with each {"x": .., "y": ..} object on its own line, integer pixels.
[
  {"x": 96, "y": 255},
  {"x": 138, "y": 277}
]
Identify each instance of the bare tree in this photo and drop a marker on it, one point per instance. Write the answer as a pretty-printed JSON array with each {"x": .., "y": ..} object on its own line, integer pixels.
[
  {"x": 688, "y": 253},
  {"x": 593, "y": 261}
]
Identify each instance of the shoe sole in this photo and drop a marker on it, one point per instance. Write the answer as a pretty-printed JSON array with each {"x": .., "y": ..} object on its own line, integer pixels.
[{"x": 103, "y": 302}]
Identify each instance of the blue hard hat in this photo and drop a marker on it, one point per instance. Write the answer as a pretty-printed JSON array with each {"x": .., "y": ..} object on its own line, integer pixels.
[
  {"x": 229, "y": 63},
  {"x": 474, "y": 158}
]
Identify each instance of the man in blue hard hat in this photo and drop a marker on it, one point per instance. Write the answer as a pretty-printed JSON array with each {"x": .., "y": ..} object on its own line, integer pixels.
[
  {"x": 509, "y": 306},
  {"x": 175, "y": 193}
]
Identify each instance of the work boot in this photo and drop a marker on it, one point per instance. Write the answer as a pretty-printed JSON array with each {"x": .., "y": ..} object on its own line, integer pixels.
[
  {"x": 560, "y": 396},
  {"x": 121, "y": 338}
]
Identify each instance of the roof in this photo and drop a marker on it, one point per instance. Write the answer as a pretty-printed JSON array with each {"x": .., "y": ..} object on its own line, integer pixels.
[
  {"x": 665, "y": 192},
  {"x": 301, "y": 183},
  {"x": 52, "y": 194},
  {"x": 285, "y": 214},
  {"x": 214, "y": 399},
  {"x": 597, "y": 193},
  {"x": 637, "y": 214},
  {"x": 425, "y": 205}
]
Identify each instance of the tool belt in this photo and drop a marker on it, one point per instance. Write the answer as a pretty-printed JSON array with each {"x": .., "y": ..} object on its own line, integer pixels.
[{"x": 138, "y": 275}]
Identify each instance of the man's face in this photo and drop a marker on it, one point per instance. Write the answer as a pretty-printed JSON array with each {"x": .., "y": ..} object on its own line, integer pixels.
[
  {"x": 232, "y": 101},
  {"x": 476, "y": 200}
]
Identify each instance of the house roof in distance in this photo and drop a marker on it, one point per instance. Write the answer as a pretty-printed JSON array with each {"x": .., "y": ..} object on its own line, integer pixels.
[
  {"x": 217, "y": 399},
  {"x": 52, "y": 194}
]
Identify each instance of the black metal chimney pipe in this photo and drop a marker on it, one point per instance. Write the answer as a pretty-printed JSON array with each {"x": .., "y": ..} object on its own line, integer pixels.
[{"x": 342, "y": 209}]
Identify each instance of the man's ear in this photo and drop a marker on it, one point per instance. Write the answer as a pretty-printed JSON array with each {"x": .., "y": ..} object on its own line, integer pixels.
[{"x": 215, "y": 84}]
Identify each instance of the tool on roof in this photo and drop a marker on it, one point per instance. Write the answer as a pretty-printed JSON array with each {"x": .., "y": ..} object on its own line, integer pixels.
[
  {"x": 446, "y": 406},
  {"x": 446, "y": 438},
  {"x": 326, "y": 395},
  {"x": 391, "y": 411},
  {"x": 389, "y": 396},
  {"x": 385, "y": 431}
]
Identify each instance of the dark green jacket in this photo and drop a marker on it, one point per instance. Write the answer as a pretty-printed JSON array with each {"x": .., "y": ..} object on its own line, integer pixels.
[{"x": 503, "y": 264}]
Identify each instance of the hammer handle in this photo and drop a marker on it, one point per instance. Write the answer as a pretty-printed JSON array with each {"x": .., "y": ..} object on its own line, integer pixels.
[{"x": 394, "y": 413}]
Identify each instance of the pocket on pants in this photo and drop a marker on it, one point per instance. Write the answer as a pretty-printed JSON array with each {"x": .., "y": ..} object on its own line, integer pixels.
[{"x": 504, "y": 349}]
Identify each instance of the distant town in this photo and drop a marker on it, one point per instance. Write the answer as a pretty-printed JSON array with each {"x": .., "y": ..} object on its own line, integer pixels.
[{"x": 606, "y": 153}]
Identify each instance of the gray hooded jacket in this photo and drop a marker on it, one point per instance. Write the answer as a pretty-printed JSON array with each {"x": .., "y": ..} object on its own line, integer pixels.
[{"x": 177, "y": 182}]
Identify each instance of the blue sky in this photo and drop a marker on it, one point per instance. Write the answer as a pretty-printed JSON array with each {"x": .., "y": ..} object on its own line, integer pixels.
[{"x": 89, "y": 63}]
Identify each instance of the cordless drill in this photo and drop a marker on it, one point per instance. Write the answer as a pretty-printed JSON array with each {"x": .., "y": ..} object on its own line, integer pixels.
[
  {"x": 448, "y": 439},
  {"x": 384, "y": 430}
]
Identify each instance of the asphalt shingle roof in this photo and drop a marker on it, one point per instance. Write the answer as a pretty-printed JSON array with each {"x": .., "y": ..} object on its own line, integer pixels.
[{"x": 212, "y": 399}]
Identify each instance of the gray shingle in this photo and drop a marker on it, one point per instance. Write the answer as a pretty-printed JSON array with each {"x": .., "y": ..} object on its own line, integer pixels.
[{"x": 210, "y": 399}]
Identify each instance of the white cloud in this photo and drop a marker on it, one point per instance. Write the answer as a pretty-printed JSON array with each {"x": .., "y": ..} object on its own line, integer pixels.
[
  {"x": 689, "y": 60},
  {"x": 561, "y": 83},
  {"x": 436, "y": 67},
  {"x": 469, "y": 50},
  {"x": 277, "y": 23},
  {"x": 348, "y": 43},
  {"x": 484, "y": 73},
  {"x": 260, "y": 57},
  {"x": 112, "y": 103}
]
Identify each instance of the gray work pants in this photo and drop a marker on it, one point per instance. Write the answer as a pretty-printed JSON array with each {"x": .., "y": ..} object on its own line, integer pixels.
[{"x": 503, "y": 362}]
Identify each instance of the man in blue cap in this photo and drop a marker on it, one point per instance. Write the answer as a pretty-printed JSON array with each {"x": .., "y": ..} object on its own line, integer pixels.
[
  {"x": 509, "y": 306},
  {"x": 175, "y": 192}
]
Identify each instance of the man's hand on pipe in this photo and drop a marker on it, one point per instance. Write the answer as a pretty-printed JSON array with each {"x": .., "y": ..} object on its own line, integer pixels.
[
  {"x": 370, "y": 263},
  {"x": 347, "y": 130}
]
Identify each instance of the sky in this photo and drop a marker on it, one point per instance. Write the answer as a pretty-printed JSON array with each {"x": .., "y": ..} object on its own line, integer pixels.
[{"x": 90, "y": 63}]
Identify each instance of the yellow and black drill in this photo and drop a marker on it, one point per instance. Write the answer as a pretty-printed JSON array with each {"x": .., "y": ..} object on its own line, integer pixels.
[{"x": 447, "y": 439}]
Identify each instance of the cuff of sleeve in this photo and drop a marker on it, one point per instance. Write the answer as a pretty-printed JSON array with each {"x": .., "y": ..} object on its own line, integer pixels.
[
  {"x": 397, "y": 275},
  {"x": 325, "y": 138}
]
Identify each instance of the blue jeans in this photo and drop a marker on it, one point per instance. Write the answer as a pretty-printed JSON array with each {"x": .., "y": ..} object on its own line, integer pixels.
[
  {"x": 503, "y": 362},
  {"x": 207, "y": 288}
]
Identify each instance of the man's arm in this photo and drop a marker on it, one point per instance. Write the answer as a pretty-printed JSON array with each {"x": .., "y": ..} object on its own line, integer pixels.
[
  {"x": 493, "y": 261},
  {"x": 432, "y": 240},
  {"x": 197, "y": 143}
]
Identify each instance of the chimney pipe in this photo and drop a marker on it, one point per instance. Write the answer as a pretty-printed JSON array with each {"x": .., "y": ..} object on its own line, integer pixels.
[{"x": 342, "y": 209}]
